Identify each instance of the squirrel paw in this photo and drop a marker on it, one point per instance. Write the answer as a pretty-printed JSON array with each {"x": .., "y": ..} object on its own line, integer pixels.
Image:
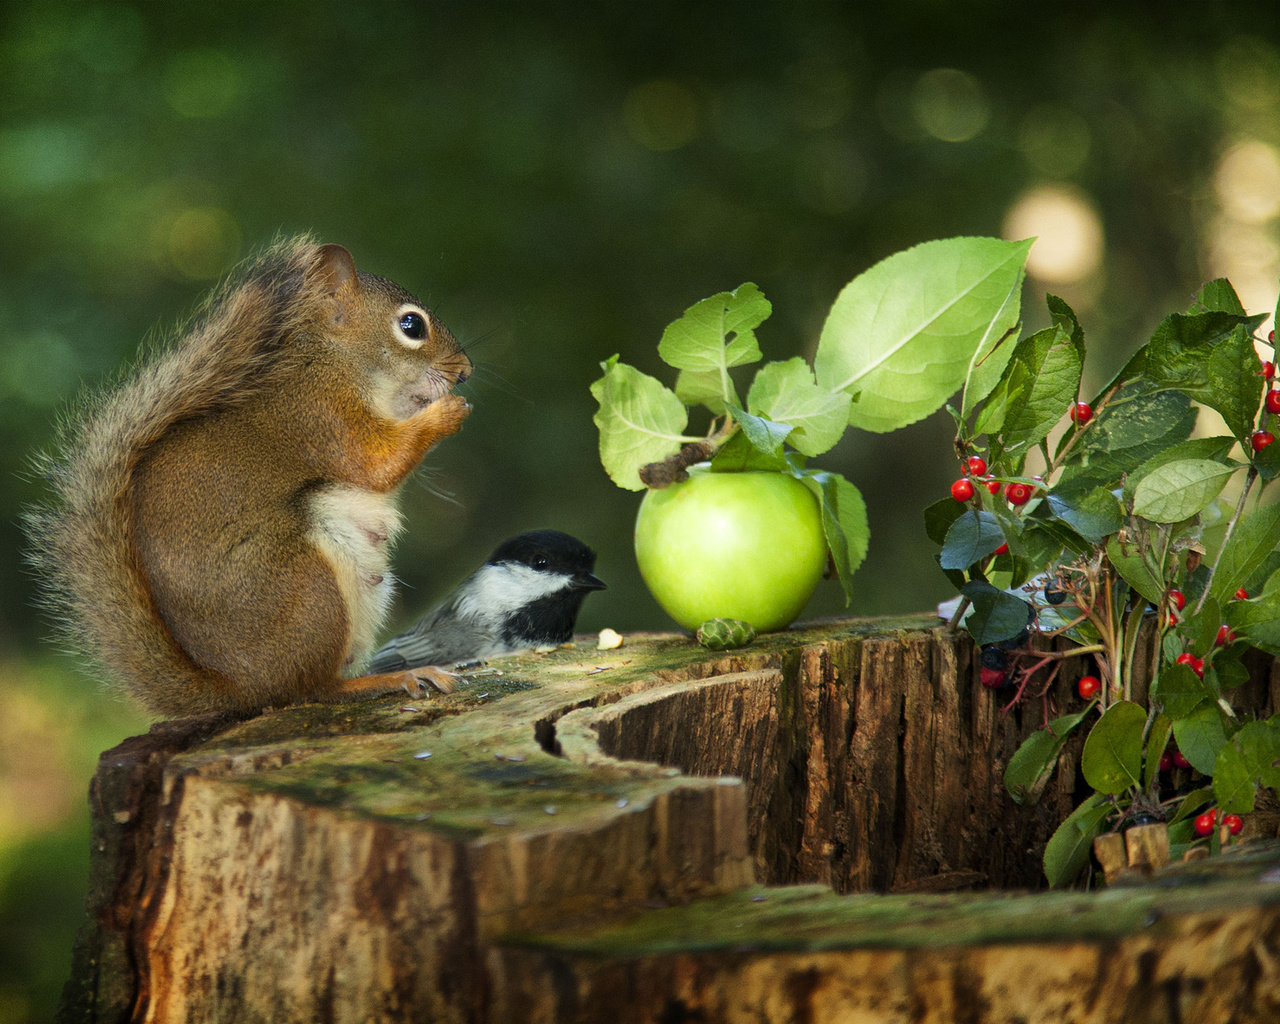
[
  {"x": 420, "y": 681},
  {"x": 445, "y": 415}
]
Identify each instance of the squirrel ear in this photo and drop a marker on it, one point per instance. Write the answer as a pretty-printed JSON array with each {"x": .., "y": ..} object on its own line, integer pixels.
[{"x": 335, "y": 269}]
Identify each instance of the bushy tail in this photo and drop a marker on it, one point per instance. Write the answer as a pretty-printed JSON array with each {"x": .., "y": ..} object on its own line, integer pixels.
[{"x": 82, "y": 542}]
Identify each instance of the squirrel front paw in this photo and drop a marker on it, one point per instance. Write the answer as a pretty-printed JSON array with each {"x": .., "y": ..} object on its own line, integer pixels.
[
  {"x": 444, "y": 416},
  {"x": 419, "y": 682}
]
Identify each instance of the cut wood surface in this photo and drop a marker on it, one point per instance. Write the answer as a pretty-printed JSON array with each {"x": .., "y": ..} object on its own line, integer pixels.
[{"x": 377, "y": 861}]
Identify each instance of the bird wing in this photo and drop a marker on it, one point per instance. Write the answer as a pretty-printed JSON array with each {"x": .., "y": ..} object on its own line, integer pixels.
[{"x": 441, "y": 637}]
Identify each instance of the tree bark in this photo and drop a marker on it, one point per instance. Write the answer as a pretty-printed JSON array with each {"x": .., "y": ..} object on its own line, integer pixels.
[{"x": 372, "y": 861}]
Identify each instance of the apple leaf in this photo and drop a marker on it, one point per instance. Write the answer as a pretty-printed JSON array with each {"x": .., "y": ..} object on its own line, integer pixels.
[
  {"x": 786, "y": 393},
  {"x": 639, "y": 419},
  {"x": 904, "y": 335},
  {"x": 844, "y": 522},
  {"x": 765, "y": 434},
  {"x": 738, "y": 454},
  {"x": 715, "y": 334},
  {"x": 705, "y": 387}
]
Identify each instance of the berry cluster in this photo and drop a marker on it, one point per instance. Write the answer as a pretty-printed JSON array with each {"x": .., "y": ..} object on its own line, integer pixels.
[
  {"x": 1015, "y": 492},
  {"x": 1262, "y": 437},
  {"x": 1206, "y": 822}
]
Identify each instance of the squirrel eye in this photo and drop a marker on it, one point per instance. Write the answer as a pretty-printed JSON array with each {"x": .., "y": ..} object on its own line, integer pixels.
[{"x": 413, "y": 326}]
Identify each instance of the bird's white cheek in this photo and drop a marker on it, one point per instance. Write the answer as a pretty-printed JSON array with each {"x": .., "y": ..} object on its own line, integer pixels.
[{"x": 499, "y": 590}]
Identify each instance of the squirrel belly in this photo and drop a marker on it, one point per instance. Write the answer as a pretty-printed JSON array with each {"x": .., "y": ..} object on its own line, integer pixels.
[{"x": 220, "y": 539}]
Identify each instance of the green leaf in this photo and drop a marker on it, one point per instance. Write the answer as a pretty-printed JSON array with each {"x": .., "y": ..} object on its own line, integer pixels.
[
  {"x": 705, "y": 387},
  {"x": 1112, "y": 757},
  {"x": 764, "y": 434},
  {"x": 1033, "y": 762},
  {"x": 1132, "y": 428},
  {"x": 995, "y": 615},
  {"x": 844, "y": 522},
  {"x": 904, "y": 335},
  {"x": 1218, "y": 295},
  {"x": 1131, "y": 562},
  {"x": 1215, "y": 449},
  {"x": 1233, "y": 784},
  {"x": 1179, "y": 490},
  {"x": 1207, "y": 356},
  {"x": 1255, "y": 538},
  {"x": 717, "y": 332},
  {"x": 738, "y": 454},
  {"x": 1067, "y": 851},
  {"x": 1248, "y": 760},
  {"x": 786, "y": 393},
  {"x": 1005, "y": 397},
  {"x": 640, "y": 421},
  {"x": 1259, "y": 746},
  {"x": 1179, "y": 691},
  {"x": 1053, "y": 363},
  {"x": 939, "y": 516},
  {"x": 1157, "y": 739},
  {"x": 972, "y": 537},
  {"x": 1191, "y": 804},
  {"x": 1094, "y": 515},
  {"x": 1200, "y": 736}
]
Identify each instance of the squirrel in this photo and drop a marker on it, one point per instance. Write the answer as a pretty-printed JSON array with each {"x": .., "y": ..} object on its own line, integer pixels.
[{"x": 218, "y": 539}]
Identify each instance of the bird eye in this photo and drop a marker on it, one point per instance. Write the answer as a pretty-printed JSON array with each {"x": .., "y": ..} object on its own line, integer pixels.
[
  {"x": 539, "y": 562},
  {"x": 414, "y": 326}
]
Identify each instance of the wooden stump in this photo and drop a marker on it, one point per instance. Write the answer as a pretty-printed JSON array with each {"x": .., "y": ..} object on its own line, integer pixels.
[{"x": 376, "y": 861}]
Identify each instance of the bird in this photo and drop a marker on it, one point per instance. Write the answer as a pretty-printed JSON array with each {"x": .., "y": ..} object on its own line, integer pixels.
[{"x": 527, "y": 594}]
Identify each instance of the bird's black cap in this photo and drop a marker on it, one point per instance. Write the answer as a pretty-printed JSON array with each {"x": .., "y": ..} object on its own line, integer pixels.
[{"x": 551, "y": 551}]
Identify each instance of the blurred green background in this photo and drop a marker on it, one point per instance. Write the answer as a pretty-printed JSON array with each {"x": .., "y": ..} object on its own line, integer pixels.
[{"x": 559, "y": 181}]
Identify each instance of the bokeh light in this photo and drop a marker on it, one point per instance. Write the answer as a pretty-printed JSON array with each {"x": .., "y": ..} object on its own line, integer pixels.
[
  {"x": 1069, "y": 242},
  {"x": 950, "y": 105}
]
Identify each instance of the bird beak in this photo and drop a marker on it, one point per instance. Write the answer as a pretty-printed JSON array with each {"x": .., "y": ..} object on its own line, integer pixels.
[{"x": 588, "y": 581}]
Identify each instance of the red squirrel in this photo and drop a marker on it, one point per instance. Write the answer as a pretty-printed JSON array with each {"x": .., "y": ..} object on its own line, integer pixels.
[{"x": 220, "y": 530}]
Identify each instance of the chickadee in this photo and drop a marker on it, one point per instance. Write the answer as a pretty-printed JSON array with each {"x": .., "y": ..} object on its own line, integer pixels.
[{"x": 526, "y": 595}]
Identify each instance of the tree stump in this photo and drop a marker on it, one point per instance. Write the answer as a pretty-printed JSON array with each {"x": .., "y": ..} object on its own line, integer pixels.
[{"x": 592, "y": 835}]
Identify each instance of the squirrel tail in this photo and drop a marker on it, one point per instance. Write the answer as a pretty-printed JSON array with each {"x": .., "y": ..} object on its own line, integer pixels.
[{"x": 82, "y": 545}]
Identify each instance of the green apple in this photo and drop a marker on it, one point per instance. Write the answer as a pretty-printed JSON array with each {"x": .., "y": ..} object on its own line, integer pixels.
[{"x": 731, "y": 545}]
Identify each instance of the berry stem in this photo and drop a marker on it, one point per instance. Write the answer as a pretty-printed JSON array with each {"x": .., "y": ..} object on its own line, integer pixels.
[{"x": 1249, "y": 479}]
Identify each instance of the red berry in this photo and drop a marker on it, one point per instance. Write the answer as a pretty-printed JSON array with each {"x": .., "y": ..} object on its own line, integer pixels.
[
  {"x": 1185, "y": 658},
  {"x": 1018, "y": 494},
  {"x": 1225, "y": 636},
  {"x": 1268, "y": 369},
  {"x": 1273, "y": 401},
  {"x": 1088, "y": 686},
  {"x": 962, "y": 490},
  {"x": 1180, "y": 759},
  {"x": 1081, "y": 413},
  {"x": 1271, "y": 337},
  {"x": 993, "y": 486},
  {"x": 1197, "y": 666},
  {"x": 1205, "y": 822},
  {"x": 1234, "y": 823},
  {"x": 1242, "y": 594},
  {"x": 1166, "y": 761},
  {"x": 1178, "y": 600},
  {"x": 991, "y": 678},
  {"x": 1003, "y": 549},
  {"x": 1260, "y": 439},
  {"x": 977, "y": 465}
]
